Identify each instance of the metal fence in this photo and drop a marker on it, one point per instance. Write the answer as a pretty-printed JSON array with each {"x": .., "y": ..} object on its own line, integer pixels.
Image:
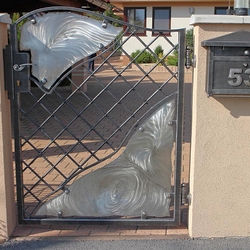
[{"x": 85, "y": 120}]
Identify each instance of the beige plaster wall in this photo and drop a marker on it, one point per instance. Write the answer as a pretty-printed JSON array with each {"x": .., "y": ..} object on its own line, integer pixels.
[
  {"x": 220, "y": 149},
  {"x": 7, "y": 201}
]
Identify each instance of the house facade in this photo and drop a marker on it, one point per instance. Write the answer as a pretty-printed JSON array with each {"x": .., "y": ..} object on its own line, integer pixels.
[{"x": 165, "y": 15}]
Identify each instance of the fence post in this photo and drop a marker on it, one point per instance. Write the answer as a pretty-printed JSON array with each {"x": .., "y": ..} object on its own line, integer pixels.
[
  {"x": 220, "y": 144},
  {"x": 7, "y": 198}
]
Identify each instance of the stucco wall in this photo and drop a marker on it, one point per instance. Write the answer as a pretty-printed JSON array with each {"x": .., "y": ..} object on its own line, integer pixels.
[{"x": 220, "y": 145}]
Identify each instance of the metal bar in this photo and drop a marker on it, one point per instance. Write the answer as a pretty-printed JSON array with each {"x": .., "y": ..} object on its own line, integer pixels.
[
  {"x": 18, "y": 158},
  {"x": 179, "y": 125},
  {"x": 65, "y": 8},
  {"x": 104, "y": 221},
  {"x": 16, "y": 131}
]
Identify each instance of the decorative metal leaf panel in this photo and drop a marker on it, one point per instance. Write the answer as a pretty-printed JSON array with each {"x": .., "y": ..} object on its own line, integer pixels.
[
  {"x": 139, "y": 180},
  {"x": 59, "y": 40},
  {"x": 96, "y": 145}
]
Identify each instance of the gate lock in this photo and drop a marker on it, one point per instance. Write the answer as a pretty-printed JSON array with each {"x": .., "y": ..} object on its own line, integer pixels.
[{"x": 17, "y": 76}]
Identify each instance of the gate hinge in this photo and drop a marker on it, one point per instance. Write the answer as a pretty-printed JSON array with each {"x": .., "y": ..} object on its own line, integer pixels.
[
  {"x": 189, "y": 58},
  {"x": 184, "y": 194}
]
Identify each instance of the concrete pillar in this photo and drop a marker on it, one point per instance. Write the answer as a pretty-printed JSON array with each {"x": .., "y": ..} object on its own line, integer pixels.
[
  {"x": 7, "y": 198},
  {"x": 220, "y": 144}
]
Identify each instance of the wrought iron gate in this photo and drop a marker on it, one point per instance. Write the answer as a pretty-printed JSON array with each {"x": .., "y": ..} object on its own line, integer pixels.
[{"x": 95, "y": 135}]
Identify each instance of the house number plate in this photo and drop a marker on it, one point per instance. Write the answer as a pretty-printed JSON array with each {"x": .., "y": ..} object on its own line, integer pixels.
[
  {"x": 229, "y": 77},
  {"x": 235, "y": 77}
]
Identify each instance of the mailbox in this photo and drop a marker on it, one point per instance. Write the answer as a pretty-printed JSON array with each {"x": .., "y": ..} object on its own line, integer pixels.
[{"x": 228, "y": 71}]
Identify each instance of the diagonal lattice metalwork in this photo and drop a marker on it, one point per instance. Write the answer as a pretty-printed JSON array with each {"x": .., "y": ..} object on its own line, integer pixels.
[{"x": 78, "y": 127}]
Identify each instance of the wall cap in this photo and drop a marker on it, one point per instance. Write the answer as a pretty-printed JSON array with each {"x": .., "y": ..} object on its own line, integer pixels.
[
  {"x": 5, "y": 18},
  {"x": 220, "y": 19}
]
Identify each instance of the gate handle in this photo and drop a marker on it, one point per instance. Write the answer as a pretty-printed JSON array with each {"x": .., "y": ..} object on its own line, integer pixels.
[{"x": 20, "y": 67}]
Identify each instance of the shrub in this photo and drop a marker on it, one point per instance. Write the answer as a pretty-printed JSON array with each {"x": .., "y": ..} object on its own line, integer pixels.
[
  {"x": 159, "y": 50},
  {"x": 135, "y": 54},
  {"x": 173, "y": 59},
  {"x": 144, "y": 57},
  {"x": 189, "y": 38}
]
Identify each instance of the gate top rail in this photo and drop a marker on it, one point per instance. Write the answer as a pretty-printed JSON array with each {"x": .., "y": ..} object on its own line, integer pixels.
[{"x": 73, "y": 9}]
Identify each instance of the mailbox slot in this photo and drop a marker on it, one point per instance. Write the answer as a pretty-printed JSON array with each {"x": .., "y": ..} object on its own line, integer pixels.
[{"x": 228, "y": 51}]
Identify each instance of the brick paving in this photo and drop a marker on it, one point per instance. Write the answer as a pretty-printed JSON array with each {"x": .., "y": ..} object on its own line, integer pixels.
[
  {"x": 97, "y": 231},
  {"x": 29, "y": 232}
]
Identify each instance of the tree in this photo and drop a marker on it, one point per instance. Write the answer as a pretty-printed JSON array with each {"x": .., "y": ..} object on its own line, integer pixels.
[
  {"x": 110, "y": 13},
  {"x": 189, "y": 38}
]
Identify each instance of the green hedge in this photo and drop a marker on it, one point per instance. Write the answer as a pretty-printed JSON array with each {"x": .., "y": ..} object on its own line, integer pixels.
[
  {"x": 144, "y": 57},
  {"x": 172, "y": 60}
]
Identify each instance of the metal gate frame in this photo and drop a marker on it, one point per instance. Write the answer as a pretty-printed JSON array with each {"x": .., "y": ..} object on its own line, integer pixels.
[{"x": 13, "y": 79}]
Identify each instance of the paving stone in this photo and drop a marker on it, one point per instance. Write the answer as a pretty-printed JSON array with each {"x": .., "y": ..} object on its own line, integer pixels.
[
  {"x": 151, "y": 230},
  {"x": 74, "y": 233},
  {"x": 21, "y": 231},
  {"x": 177, "y": 230},
  {"x": 44, "y": 233},
  {"x": 65, "y": 227}
]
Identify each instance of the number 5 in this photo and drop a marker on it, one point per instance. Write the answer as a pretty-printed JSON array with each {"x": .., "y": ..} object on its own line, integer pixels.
[{"x": 234, "y": 74}]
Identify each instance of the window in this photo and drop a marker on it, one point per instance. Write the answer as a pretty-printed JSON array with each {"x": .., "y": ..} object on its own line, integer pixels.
[
  {"x": 221, "y": 10},
  {"x": 161, "y": 19},
  {"x": 136, "y": 16}
]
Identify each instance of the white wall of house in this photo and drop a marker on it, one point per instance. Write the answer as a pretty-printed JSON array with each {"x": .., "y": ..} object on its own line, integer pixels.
[{"x": 180, "y": 17}]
